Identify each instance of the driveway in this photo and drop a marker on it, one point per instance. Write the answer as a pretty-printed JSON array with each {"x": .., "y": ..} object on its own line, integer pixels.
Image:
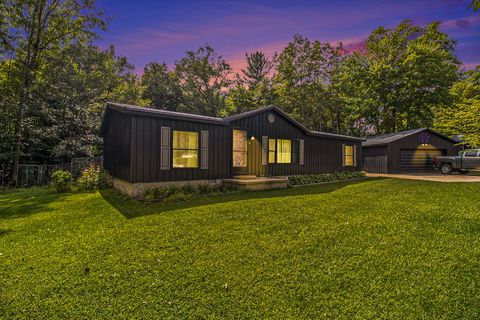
[{"x": 430, "y": 176}]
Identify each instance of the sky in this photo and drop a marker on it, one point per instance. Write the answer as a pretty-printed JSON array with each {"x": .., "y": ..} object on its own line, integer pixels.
[{"x": 162, "y": 31}]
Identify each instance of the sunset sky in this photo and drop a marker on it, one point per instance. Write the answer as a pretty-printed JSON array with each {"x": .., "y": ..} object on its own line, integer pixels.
[{"x": 162, "y": 31}]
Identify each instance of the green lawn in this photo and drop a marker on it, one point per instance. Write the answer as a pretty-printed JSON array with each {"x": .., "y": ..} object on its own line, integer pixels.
[{"x": 378, "y": 248}]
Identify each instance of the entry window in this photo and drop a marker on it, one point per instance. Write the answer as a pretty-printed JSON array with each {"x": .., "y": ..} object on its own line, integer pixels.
[
  {"x": 271, "y": 150},
  {"x": 348, "y": 152},
  {"x": 185, "y": 149},
  {"x": 239, "y": 148},
  {"x": 284, "y": 151}
]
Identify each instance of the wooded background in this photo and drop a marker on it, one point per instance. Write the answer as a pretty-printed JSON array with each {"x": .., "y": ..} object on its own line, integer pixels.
[{"x": 54, "y": 82}]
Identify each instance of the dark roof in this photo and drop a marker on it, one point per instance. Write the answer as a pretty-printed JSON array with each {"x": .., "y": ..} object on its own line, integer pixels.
[
  {"x": 131, "y": 109},
  {"x": 265, "y": 109},
  {"x": 390, "y": 137},
  {"x": 293, "y": 121},
  {"x": 127, "y": 108}
]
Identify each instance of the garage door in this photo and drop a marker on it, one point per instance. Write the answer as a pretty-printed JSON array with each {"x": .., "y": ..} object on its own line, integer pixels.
[{"x": 418, "y": 159}]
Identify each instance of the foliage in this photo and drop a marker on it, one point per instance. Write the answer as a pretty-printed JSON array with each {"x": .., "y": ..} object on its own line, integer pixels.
[
  {"x": 253, "y": 86},
  {"x": 403, "y": 73},
  {"x": 53, "y": 95},
  {"x": 475, "y": 4},
  {"x": 93, "y": 178},
  {"x": 65, "y": 107},
  {"x": 36, "y": 28},
  {"x": 303, "y": 83},
  {"x": 62, "y": 180},
  {"x": 376, "y": 248},
  {"x": 173, "y": 192},
  {"x": 204, "y": 78},
  {"x": 325, "y": 177},
  {"x": 161, "y": 87},
  {"x": 462, "y": 116}
]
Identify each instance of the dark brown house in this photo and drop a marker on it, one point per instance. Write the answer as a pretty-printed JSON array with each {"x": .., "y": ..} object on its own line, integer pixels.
[
  {"x": 145, "y": 146},
  {"x": 406, "y": 151}
]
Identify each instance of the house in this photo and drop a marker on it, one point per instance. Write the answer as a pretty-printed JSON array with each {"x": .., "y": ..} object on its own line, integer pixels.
[
  {"x": 145, "y": 147},
  {"x": 406, "y": 151}
]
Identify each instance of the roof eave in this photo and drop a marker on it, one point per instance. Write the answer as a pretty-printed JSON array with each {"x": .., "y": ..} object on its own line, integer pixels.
[{"x": 183, "y": 116}]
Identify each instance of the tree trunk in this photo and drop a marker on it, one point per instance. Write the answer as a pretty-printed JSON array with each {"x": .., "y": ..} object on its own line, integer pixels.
[
  {"x": 18, "y": 128},
  {"x": 30, "y": 65}
]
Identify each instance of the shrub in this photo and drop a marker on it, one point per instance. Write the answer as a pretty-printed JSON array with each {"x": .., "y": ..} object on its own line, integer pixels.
[
  {"x": 203, "y": 188},
  {"x": 325, "y": 177},
  {"x": 174, "y": 193},
  {"x": 62, "y": 180},
  {"x": 225, "y": 188},
  {"x": 188, "y": 189},
  {"x": 93, "y": 178}
]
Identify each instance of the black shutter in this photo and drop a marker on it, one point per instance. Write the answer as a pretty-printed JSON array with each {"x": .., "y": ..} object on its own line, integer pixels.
[
  {"x": 203, "y": 149},
  {"x": 301, "y": 152},
  {"x": 165, "y": 148},
  {"x": 264, "y": 150}
]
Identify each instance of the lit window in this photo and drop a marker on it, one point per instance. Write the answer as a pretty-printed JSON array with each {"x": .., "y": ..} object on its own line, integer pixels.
[
  {"x": 348, "y": 156},
  {"x": 284, "y": 151},
  {"x": 271, "y": 150},
  {"x": 239, "y": 148},
  {"x": 185, "y": 149}
]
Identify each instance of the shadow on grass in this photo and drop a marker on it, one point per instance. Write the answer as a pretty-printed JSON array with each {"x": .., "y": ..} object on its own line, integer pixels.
[
  {"x": 26, "y": 202},
  {"x": 131, "y": 208}
]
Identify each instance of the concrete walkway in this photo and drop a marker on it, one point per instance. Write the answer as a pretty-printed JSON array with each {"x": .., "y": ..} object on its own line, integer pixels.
[{"x": 434, "y": 176}]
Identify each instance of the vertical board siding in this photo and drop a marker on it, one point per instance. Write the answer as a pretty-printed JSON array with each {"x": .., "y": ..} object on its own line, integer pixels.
[
  {"x": 386, "y": 158},
  {"x": 375, "y": 159},
  {"x": 321, "y": 154},
  {"x": 146, "y": 153},
  {"x": 412, "y": 142},
  {"x": 133, "y": 148},
  {"x": 117, "y": 145}
]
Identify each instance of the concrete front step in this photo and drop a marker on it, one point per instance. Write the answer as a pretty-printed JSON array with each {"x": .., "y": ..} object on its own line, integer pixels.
[
  {"x": 258, "y": 183},
  {"x": 244, "y": 177}
]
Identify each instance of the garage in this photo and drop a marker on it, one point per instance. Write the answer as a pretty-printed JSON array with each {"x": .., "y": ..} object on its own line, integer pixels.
[
  {"x": 418, "y": 159},
  {"x": 406, "y": 151}
]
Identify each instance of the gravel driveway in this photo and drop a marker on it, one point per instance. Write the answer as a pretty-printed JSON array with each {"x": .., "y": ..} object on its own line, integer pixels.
[{"x": 433, "y": 176}]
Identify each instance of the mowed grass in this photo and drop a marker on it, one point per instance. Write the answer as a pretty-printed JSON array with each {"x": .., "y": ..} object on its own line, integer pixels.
[{"x": 377, "y": 248}]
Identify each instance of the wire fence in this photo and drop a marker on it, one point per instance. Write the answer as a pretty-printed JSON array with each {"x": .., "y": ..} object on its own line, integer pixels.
[{"x": 29, "y": 175}]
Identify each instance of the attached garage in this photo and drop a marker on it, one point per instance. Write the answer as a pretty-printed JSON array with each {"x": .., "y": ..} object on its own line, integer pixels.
[{"x": 406, "y": 151}]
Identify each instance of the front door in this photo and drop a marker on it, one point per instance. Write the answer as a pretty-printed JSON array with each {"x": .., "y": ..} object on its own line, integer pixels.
[{"x": 239, "y": 152}]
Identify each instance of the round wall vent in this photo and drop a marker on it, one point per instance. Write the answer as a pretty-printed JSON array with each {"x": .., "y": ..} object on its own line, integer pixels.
[{"x": 271, "y": 118}]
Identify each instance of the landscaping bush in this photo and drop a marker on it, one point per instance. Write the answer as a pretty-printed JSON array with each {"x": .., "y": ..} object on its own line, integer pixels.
[
  {"x": 93, "y": 178},
  {"x": 62, "y": 180},
  {"x": 325, "y": 177},
  {"x": 174, "y": 193}
]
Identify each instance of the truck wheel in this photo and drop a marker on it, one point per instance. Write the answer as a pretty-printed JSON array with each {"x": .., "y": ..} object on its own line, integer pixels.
[{"x": 446, "y": 168}]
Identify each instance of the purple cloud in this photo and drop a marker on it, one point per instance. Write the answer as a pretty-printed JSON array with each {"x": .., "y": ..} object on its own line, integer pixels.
[{"x": 463, "y": 24}]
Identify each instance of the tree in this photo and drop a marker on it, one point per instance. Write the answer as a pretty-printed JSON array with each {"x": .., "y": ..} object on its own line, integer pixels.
[
  {"x": 475, "y": 5},
  {"x": 36, "y": 27},
  {"x": 403, "y": 74},
  {"x": 4, "y": 39},
  {"x": 69, "y": 96},
  {"x": 253, "y": 86},
  {"x": 161, "y": 87},
  {"x": 462, "y": 116},
  {"x": 302, "y": 84},
  {"x": 205, "y": 78},
  {"x": 257, "y": 70}
]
